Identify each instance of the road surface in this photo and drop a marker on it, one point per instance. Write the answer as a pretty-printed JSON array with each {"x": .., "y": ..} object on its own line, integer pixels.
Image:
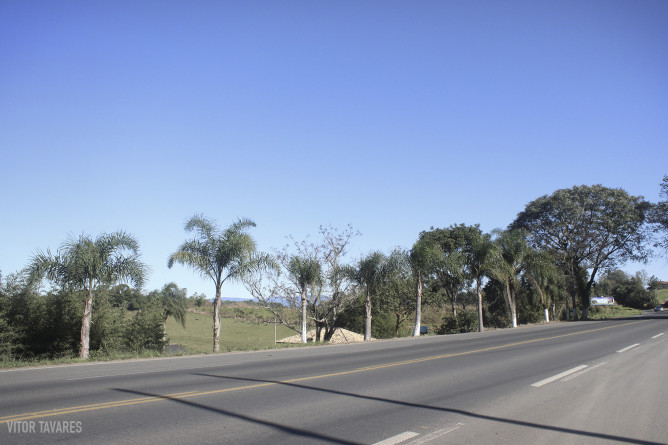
[{"x": 565, "y": 383}]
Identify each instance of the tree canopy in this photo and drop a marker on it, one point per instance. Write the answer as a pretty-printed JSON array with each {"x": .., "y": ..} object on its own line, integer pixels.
[
  {"x": 659, "y": 216},
  {"x": 220, "y": 256},
  {"x": 586, "y": 229},
  {"x": 83, "y": 264}
]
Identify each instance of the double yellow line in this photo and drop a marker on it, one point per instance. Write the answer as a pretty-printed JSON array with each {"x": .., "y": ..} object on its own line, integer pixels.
[{"x": 184, "y": 395}]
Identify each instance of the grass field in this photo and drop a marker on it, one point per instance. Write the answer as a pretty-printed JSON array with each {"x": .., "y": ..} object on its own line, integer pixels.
[
  {"x": 235, "y": 334},
  {"x": 663, "y": 295},
  {"x": 605, "y": 312}
]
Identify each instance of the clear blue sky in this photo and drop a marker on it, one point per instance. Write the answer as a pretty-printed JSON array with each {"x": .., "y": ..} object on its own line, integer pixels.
[{"x": 392, "y": 116}]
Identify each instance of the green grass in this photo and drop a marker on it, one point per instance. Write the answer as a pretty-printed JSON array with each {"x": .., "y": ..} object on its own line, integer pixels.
[
  {"x": 663, "y": 295},
  {"x": 235, "y": 334},
  {"x": 616, "y": 311},
  {"x": 94, "y": 357}
]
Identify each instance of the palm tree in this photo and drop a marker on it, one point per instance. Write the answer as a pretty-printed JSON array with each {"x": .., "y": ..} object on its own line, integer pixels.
[
  {"x": 423, "y": 258},
  {"x": 304, "y": 273},
  {"x": 84, "y": 264},
  {"x": 173, "y": 302},
  {"x": 512, "y": 256},
  {"x": 543, "y": 275},
  {"x": 369, "y": 275},
  {"x": 220, "y": 256},
  {"x": 479, "y": 257}
]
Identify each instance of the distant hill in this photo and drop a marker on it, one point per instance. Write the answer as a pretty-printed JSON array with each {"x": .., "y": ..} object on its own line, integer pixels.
[{"x": 234, "y": 299}]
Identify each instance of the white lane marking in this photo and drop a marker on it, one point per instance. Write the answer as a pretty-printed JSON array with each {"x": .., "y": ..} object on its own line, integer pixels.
[
  {"x": 658, "y": 335},
  {"x": 435, "y": 435},
  {"x": 629, "y": 347},
  {"x": 578, "y": 374},
  {"x": 398, "y": 438},
  {"x": 558, "y": 376}
]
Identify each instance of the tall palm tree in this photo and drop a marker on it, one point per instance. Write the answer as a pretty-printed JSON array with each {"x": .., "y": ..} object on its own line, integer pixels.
[
  {"x": 220, "y": 256},
  {"x": 304, "y": 273},
  {"x": 423, "y": 258},
  {"x": 369, "y": 274},
  {"x": 84, "y": 264},
  {"x": 479, "y": 258},
  {"x": 543, "y": 275},
  {"x": 512, "y": 256}
]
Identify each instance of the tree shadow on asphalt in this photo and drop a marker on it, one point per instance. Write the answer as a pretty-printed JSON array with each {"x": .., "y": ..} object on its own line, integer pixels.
[
  {"x": 283, "y": 428},
  {"x": 464, "y": 413}
]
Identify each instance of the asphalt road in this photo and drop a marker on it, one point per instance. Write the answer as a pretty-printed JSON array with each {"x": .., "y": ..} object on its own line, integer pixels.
[{"x": 584, "y": 382}]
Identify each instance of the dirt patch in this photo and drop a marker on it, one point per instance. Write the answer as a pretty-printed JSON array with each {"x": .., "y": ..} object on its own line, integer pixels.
[{"x": 339, "y": 336}]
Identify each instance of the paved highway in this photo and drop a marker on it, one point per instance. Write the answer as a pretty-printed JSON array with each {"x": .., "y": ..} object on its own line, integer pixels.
[{"x": 584, "y": 382}]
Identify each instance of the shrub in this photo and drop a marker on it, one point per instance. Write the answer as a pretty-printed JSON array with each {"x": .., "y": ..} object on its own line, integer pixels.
[
  {"x": 145, "y": 331},
  {"x": 464, "y": 322}
]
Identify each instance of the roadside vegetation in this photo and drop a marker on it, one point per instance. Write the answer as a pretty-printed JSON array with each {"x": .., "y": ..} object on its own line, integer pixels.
[{"x": 86, "y": 302}]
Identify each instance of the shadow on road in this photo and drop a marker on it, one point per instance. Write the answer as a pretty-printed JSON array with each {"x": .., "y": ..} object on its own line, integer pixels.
[
  {"x": 283, "y": 428},
  {"x": 581, "y": 433}
]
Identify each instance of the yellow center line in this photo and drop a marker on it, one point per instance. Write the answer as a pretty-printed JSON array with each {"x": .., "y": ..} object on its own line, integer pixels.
[{"x": 183, "y": 395}]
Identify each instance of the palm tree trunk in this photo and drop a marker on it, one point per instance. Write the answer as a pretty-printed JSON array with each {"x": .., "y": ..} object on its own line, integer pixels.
[
  {"x": 164, "y": 333},
  {"x": 216, "y": 320},
  {"x": 303, "y": 293},
  {"x": 418, "y": 307},
  {"x": 510, "y": 301},
  {"x": 367, "y": 319},
  {"x": 541, "y": 294},
  {"x": 85, "y": 324},
  {"x": 478, "y": 289}
]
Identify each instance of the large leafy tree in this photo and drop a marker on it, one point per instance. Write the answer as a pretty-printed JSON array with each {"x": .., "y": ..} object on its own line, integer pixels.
[
  {"x": 305, "y": 273},
  {"x": 221, "y": 256},
  {"x": 587, "y": 229},
  {"x": 453, "y": 275},
  {"x": 659, "y": 216},
  {"x": 84, "y": 264}
]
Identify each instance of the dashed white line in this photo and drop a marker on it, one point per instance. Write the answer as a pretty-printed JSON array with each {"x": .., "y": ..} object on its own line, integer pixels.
[
  {"x": 435, "y": 435},
  {"x": 578, "y": 374},
  {"x": 658, "y": 335},
  {"x": 629, "y": 347},
  {"x": 558, "y": 376},
  {"x": 398, "y": 438}
]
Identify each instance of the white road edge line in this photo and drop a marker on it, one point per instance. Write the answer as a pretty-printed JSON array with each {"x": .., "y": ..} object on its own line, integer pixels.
[
  {"x": 629, "y": 347},
  {"x": 658, "y": 335},
  {"x": 398, "y": 438},
  {"x": 558, "y": 376}
]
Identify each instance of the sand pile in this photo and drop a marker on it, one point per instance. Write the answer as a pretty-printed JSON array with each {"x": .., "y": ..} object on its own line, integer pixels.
[{"x": 339, "y": 336}]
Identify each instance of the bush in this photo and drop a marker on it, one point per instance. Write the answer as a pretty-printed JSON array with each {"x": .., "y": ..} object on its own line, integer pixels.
[
  {"x": 464, "y": 322},
  {"x": 107, "y": 327},
  {"x": 145, "y": 331}
]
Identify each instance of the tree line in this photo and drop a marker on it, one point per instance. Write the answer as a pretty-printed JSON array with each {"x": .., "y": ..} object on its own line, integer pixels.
[{"x": 560, "y": 250}]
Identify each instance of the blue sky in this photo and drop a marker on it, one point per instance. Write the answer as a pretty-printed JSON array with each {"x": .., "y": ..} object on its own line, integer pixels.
[{"x": 392, "y": 116}]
